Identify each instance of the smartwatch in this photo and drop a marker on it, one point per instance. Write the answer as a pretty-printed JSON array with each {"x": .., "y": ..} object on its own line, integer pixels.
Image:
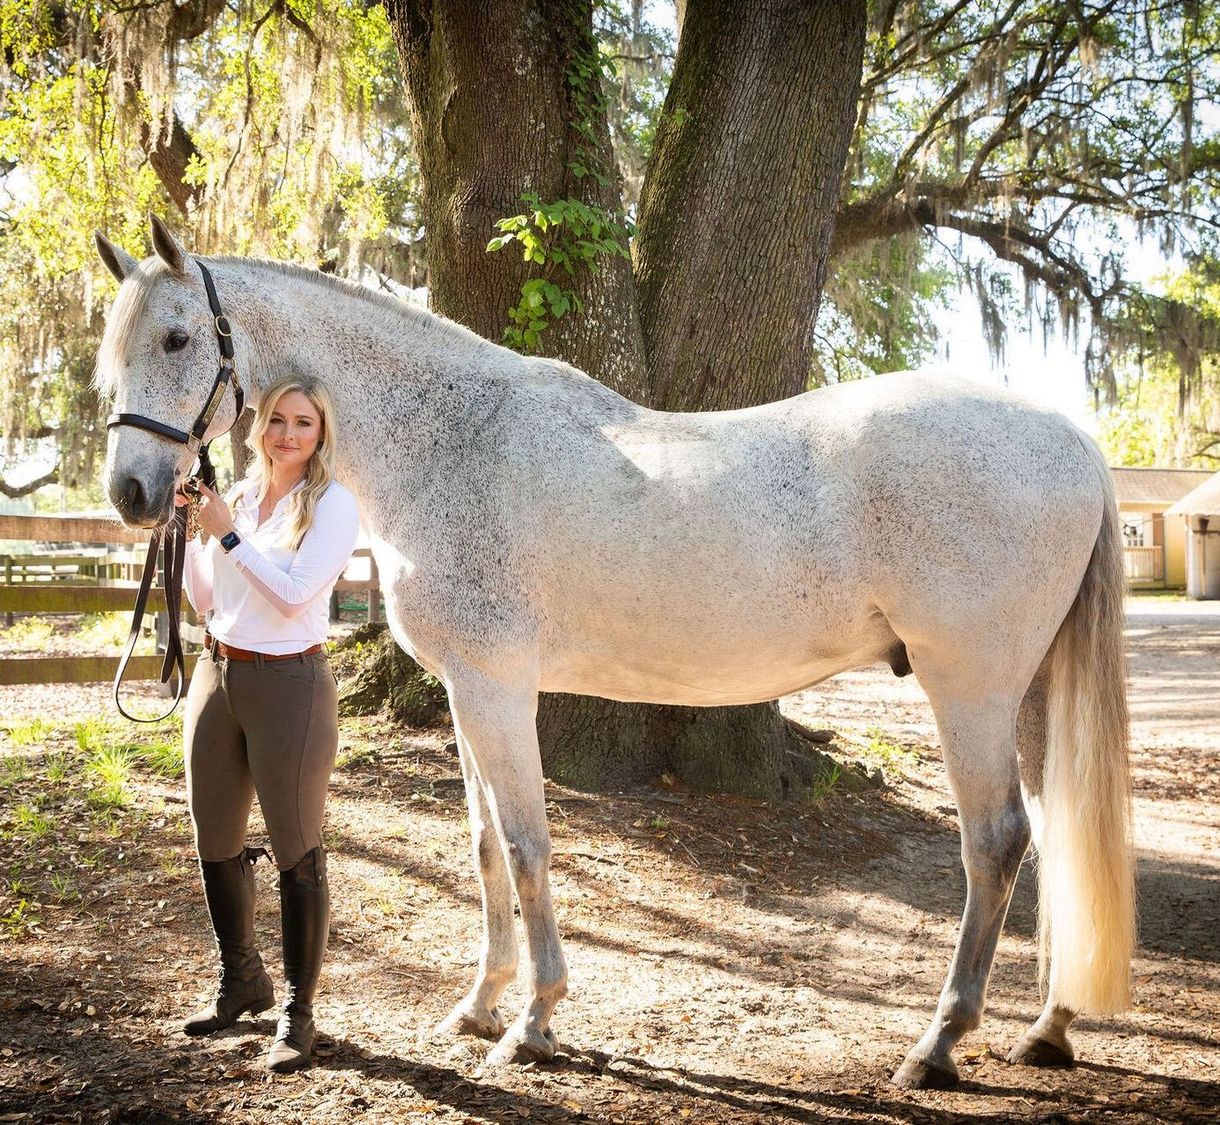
[{"x": 229, "y": 540}]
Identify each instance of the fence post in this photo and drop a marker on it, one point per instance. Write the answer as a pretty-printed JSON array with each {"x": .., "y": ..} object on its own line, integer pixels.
[{"x": 8, "y": 581}]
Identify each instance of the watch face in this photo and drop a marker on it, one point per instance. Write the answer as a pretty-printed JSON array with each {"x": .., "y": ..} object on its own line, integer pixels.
[{"x": 230, "y": 540}]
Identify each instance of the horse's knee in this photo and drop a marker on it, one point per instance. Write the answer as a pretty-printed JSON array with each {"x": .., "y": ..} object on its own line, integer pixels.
[
  {"x": 993, "y": 849},
  {"x": 529, "y": 859}
]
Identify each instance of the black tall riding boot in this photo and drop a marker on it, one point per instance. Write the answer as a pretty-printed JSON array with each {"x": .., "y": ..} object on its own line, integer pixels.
[
  {"x": 305, "y": 918},
  {"x": 228, "y": 887}
]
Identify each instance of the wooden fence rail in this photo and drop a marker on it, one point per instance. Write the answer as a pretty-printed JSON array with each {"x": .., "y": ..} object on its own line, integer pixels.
[{"x": 72, "y": 582}]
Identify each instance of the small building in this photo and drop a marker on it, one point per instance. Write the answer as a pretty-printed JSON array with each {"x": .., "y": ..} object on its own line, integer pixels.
[
  {"x": 1154, "y": 541},
  {"x": 1200, "y": 510}
]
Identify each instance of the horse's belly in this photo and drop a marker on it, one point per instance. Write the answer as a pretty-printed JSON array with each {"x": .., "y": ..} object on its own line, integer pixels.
[{"x": 695, "y": 675}]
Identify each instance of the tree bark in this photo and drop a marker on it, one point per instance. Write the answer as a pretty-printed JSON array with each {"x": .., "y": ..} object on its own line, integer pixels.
[
  {"x": 731, "y": 251},
  {"x": 739, "y": 201},
  {"x": 494, "y": 117}
]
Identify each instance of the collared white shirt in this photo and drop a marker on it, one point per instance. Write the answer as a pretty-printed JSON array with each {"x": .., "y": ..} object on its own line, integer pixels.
[{"x": 262, "y": 595}]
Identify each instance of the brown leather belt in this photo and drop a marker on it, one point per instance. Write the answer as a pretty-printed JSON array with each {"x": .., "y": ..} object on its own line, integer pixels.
[{"x": 219, "y": 648}]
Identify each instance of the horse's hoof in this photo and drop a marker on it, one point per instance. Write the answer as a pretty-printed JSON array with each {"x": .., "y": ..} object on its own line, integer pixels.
[
  {"x": 467, "y": 1019},
  {"x": 919, "y": 1074},
  {"x": 522, "y": 1047},
  {"x": 1032, "y": 1051}
]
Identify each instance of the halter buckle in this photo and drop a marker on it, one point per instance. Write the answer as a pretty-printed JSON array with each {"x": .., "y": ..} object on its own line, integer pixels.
[{"x": 222, "y": 326}]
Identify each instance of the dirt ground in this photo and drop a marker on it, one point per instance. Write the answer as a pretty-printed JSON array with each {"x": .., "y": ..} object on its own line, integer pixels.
[{"x": 730, "y": 961}]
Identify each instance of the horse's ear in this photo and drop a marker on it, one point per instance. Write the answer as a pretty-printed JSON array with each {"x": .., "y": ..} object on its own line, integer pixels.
[
  {"x": 166, "y": 246},
  {"x": 116, "y": 260}
]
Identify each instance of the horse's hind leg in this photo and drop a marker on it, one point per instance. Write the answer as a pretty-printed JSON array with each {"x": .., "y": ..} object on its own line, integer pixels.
[
  {"x": 1046, "y": 1042},
  {"x": 978, "y": 738},
  {"x": 477, "y": 1013},
  {"x": 497, "y": 720}
]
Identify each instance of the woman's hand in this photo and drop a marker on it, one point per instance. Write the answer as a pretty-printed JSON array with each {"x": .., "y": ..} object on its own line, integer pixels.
[{"x": 214, "y": 515}]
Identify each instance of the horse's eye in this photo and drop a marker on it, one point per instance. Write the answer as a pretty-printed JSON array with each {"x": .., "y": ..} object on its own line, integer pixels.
[{"x": 176, "y": 341}]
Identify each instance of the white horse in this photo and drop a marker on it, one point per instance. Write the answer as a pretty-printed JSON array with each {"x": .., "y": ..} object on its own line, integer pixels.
[{"x": 537, "y": 532}]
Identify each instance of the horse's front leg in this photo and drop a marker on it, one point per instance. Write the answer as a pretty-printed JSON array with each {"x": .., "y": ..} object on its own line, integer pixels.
[
  {"x": 477, "y": 1013},
  {"x": 497, "y": 722}
]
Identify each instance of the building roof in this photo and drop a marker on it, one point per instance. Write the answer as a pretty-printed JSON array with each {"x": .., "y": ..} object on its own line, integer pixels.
[
  {"x": 1201, "y": 501},
  {"x": 1156, "y": 486}
]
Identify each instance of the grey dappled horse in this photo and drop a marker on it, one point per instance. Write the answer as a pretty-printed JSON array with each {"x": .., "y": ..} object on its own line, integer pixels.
[{"x": 535, "y": 531}]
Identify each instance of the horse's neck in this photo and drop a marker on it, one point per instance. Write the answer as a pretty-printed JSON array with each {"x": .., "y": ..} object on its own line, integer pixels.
[{"x": 400, "y": 382}]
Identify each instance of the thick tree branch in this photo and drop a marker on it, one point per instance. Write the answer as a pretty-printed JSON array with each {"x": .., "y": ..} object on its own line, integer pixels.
[{"x": 16, "y": 491}]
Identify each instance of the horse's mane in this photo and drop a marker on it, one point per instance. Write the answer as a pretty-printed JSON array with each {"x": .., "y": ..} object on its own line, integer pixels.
[{"x": 395, "y": 312}]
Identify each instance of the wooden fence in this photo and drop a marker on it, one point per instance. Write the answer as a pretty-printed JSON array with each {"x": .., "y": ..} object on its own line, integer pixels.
[{"x": 101, "y": 577}]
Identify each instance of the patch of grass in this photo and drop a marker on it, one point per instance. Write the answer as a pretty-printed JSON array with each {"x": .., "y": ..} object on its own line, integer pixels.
[
  {"x": 13, "y": 771},
  {"x": 21, "y": 919},
  {"x": 55, "y": 767},
  {"x": 163, "y": 757},
  {"x": 824, "y": 784},
  {"x": 29, "y": 634},
  {"x": 110, "y": 767},
  {"x": 893, "y": 759},
  {"x": 107, "y": 632},
  {"x": 353, "y": 757},
  {"x": 29, "y": 732},
  {"x": 93, "y": 735},
  {"x": 660, "y": 823},
  {"x": 63, "y": 888},
  {"x": 29, "y": 824},
  {"x": 173, "y": 865}
]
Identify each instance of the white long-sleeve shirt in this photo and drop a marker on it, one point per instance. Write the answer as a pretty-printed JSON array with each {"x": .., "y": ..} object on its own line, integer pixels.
[{"x": 263, "y": 596}]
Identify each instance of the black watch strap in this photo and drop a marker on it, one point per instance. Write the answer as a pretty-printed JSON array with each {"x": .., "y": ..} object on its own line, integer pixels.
[{"x": 229, "y": 540}]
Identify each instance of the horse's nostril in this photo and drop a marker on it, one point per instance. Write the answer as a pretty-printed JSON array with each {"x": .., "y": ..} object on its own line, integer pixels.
[{"x": 132, "y": 494}]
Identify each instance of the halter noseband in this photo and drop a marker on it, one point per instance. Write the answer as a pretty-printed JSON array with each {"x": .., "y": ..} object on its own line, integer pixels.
[{"x": 224, "y": 337}]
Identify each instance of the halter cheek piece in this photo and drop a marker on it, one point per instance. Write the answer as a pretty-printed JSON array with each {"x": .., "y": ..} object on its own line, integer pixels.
[
  {"x": 174, "y": 544},
  {"x": 226, "y": 374}
]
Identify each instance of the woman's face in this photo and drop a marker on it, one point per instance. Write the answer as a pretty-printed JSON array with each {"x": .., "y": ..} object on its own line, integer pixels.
[{"x": 293, "y": 432}]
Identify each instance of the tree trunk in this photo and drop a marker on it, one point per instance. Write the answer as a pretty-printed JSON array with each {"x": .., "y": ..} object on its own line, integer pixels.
[
  {"x": 494, "y": 116},
  {"x": 739, "y": 202},
  {"x": 731, "y": 252}
]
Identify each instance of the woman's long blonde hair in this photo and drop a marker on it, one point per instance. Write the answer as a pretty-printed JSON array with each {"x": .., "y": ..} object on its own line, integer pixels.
[{"x": 320, "y": 470}]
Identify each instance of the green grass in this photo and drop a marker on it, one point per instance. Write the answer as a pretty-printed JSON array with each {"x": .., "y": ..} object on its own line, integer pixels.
[
  {"x": 29, "y": 633},
  {"x": 110, "y": 767},
  {"x": 893, "y": 759},
  {"x": 29, "y": 732},
  {"x": 21, "y": 919},
  {"x": 108, "y": 632},
  {"x": 353, "y": 757},
  {"x": 13, "y": 771},
  {"x": 29, "y": 824},
  {"x": 824, "y": 784},
  {"x": 63, "y": 888},
  {"x": 162, "y": 757},
  {"x": 93, "y": 735}
]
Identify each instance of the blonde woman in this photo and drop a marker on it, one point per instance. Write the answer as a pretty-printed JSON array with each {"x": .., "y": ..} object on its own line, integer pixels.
[{"x": 261, "y": 715}]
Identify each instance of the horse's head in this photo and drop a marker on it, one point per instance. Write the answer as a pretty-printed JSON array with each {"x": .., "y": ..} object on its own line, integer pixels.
[{"x": 158, "y": 360}]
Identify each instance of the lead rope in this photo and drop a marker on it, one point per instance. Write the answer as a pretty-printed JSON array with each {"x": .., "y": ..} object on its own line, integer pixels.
[{"x": 172, "y": 541}]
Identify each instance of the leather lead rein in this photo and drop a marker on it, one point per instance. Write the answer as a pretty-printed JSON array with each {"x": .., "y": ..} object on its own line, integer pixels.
[{"x": 171, "y": 539}]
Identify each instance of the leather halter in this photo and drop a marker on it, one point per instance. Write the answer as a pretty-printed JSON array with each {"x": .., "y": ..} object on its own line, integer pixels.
[
  {"x": 226, "y": 374},
  {"x": 173, "y": 542}
]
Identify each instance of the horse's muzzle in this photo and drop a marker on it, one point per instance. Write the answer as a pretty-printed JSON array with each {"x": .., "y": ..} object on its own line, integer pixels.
[{"x": 138, "y": 506}]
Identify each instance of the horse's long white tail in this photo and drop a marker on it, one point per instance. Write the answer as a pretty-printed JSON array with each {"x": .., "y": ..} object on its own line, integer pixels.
[{"x": 1087, "y": 885}]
